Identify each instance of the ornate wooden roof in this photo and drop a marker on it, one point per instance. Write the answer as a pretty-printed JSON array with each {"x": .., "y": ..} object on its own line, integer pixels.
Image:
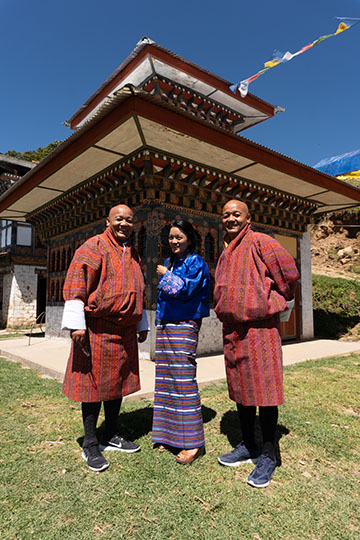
[{"x": 149, "y": 62}]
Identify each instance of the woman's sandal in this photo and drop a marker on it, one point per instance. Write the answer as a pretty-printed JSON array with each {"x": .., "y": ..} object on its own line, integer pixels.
[{"x": 186, "y": 457}]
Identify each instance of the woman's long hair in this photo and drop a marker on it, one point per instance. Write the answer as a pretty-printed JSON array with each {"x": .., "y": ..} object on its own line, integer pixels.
[{"x": 189, "y": 231}]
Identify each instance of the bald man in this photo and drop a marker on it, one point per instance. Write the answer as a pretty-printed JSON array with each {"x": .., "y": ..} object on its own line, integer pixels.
[
  {"x": 254, "y": 280},
  {"x": 104, "y": 298}
]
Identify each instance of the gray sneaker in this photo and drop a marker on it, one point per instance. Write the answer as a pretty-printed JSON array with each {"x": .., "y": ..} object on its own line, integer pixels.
[
  {"x": 240, "y": 454},
  {"x": 94, "y": 458},
  {"x": 120, "y": 444}
]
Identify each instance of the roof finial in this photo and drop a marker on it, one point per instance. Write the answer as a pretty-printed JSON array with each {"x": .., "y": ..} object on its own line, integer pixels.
[{"x": 145, "y": 41}]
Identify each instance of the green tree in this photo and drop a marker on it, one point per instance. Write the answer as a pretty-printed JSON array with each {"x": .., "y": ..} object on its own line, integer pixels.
[{"x": 34, "y": 155}]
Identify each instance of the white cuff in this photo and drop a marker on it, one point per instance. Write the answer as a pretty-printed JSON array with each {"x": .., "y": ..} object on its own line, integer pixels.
[
  {"x": 285, "y": 315},
  {"x": 143, "y": 324},
  {"x": 73, "y": 316}
]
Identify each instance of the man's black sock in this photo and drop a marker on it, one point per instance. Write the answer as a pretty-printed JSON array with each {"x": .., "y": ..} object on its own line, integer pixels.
[
  {"x": 247, "y": 423},
  {"x": 268, "y": 422},
  {"x": 90, "y": 414},
  {"x": 112, "y": 409}
]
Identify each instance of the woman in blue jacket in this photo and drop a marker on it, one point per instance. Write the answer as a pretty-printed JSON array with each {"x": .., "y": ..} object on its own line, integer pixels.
[{"x": 182, "y": 303}]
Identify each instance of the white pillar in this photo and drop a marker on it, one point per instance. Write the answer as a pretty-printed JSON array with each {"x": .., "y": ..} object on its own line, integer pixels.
[{"x": 307, "y": 318}]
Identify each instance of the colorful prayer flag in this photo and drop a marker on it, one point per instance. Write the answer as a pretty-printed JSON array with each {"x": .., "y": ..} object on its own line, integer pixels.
[{"x": 280, "y": 58}]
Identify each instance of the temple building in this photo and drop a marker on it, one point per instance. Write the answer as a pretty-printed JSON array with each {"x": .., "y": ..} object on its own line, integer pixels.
[
  {"x": 22, "y": 259},
  {"x": 165, "y": 137}
]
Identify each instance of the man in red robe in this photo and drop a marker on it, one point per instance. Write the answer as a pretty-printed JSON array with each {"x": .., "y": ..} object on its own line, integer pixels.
[
  {"x": 254, "y": 281},
  {"x": 104, "y": 297}
]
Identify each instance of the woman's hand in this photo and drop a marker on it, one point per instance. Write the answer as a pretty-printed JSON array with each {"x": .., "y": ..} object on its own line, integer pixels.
[{"x": 160, "y": 270}]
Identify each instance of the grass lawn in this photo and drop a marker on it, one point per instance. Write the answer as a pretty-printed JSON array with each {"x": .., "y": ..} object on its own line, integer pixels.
[{"x": 48, "y": 493}]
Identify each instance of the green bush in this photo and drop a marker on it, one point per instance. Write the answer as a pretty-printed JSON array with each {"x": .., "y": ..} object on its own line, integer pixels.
[{"x": 336, "y": 303}]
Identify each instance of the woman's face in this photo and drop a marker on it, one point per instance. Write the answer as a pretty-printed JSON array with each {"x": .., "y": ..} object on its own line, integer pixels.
[{"x": 178, "y": 242}]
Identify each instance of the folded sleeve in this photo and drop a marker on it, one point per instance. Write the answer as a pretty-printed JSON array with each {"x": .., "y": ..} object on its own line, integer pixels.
[
  {"x": 285, "y": 315},
  {"x": 170, "y": 283},
  {"x": 192, "y": 278},
  {"x": 73, "y": 316}
]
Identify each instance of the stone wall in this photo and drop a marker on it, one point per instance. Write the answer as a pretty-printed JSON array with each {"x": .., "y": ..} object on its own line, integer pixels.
[
  {"x": 53, "y": 322},
  {"x": 19, "y": 296}
]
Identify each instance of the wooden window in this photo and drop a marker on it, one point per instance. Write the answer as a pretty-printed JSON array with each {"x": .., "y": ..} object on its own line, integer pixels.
[
  {"x": 209, "y": 248},
  {"x": 141, "y": 242}
]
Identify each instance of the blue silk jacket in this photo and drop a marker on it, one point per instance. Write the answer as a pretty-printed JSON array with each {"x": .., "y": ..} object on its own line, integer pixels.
[{"x": 184, "y": 290}]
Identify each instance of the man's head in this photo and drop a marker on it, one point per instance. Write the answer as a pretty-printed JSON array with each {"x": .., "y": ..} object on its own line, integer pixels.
[
  {"x": 235, "y": 216},
  {"x": 120, "y": 221}
]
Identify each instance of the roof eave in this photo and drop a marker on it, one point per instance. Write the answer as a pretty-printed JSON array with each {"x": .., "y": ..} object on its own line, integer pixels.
[{"x": 145, "y": 47}]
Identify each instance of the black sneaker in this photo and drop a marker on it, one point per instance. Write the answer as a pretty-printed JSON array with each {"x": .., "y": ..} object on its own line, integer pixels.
[
  {"x": 94, "y": 458},
  {"x": 120, "y": 444},
  {"x": 260, "y": 477},
  {"x": 240, "y": 454}
]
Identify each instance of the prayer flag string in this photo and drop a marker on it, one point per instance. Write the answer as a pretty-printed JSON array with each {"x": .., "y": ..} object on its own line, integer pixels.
[{"x": 280, "y": 58}]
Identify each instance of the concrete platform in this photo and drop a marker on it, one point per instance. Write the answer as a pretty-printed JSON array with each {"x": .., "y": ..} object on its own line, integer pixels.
[{"x": 49, "y": 356}]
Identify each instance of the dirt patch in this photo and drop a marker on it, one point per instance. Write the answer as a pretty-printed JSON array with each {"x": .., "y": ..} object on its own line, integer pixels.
[
  {"x": 349, "y": 411},
  {"x": 334, "y": 252}
]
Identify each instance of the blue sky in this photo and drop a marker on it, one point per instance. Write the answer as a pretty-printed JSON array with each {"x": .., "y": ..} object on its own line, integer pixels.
[{"x": 55, "y": 54}]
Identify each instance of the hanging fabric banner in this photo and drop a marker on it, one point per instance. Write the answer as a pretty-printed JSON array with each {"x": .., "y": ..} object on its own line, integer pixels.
[{"x": 280, "y": 58}]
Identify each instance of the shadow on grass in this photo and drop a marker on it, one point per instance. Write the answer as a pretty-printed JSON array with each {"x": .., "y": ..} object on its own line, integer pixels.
[
  {"x": 136, "y": 424},
  {"x": 207, "y": 414},
  {"x": 332, "y": 325},
  {"x": 230, "y": 426}
]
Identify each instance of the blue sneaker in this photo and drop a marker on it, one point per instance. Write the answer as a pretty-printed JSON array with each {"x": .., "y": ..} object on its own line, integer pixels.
[
  {"x": 240, "y": 454},
  {"x": 260, "y": 477}
]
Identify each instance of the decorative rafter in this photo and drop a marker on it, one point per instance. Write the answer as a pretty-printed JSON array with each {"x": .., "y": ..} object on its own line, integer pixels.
[
  {"x": 162, "y": 179},
  {"x": 195, "y": 103}
]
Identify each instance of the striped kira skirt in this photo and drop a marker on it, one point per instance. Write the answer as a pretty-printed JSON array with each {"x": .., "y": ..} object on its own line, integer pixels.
[{"x": 177, "y": 417}]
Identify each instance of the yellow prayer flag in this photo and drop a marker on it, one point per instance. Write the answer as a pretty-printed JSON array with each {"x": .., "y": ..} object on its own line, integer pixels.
[{"x": 342, "y": 26}]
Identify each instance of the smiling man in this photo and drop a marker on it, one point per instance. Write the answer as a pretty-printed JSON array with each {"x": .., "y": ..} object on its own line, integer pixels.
[
  {"x": 104, "y": 297},
  {"x": 255, "y": 278},
  {"x": 234, "y": 218}
]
